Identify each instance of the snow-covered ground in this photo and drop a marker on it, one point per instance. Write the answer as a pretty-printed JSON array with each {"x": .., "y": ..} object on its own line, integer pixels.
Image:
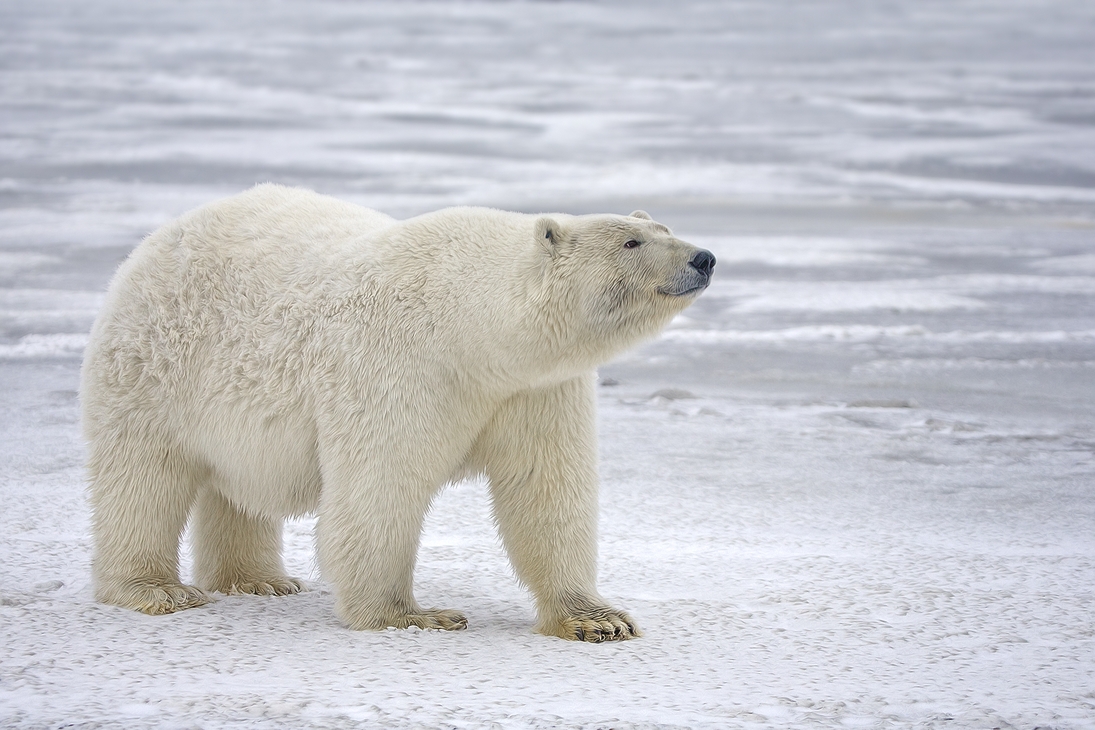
[{"x": 853, "y": 486}]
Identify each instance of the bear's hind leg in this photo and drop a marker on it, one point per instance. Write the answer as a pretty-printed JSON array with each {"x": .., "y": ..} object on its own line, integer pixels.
[
  {"x": 141, "y": 494},
  {"x": 235, "y": 552}
]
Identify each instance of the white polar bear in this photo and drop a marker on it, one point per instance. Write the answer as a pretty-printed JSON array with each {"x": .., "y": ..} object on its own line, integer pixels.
[{"x": 282, "y": 352}]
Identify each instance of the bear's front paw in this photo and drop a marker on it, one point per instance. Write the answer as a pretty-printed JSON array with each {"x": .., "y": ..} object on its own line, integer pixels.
[
  {"x": 594, "y": 625},
  {"x": 272, "y": 586},
  {"x": 432, "y": 618}
]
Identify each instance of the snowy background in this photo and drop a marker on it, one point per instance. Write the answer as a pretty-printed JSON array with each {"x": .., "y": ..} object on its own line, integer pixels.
[{"x": 853, "y": 487}]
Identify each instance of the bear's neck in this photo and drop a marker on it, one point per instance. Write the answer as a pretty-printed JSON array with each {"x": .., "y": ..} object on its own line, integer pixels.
[{"x": 553, "y": 347}]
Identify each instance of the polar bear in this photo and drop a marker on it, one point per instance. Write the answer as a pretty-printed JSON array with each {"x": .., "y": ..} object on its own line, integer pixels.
[{"x": 281, "y": 352}]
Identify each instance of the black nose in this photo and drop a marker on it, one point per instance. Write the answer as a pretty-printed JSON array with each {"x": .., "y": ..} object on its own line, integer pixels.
[{"x": 703, "y": 262}]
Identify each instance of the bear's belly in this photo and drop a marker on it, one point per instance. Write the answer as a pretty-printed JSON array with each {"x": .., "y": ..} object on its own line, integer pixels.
[{"x": 266, "y": 465}]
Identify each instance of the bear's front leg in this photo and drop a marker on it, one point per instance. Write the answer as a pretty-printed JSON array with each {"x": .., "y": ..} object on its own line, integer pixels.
[
  {"x": 540, "y": 454},
  {"x": 370, "y": 520}
]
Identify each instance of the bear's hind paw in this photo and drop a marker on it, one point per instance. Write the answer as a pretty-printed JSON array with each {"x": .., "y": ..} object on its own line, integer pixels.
[
  {"x": 595, "y": 626},
  {"x": 270, "y": 586},
  {"x": 432, "y": 618},
  {"x": 156, "y": 599}
]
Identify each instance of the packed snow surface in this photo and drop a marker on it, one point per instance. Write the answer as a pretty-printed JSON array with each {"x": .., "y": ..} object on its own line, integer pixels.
[{"x": 852, "y": 487}]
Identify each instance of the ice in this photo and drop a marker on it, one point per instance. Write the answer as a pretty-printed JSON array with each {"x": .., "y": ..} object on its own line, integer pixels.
[
  {"x": 852, "y": 486},
  {"x": 44, "y": 346}
]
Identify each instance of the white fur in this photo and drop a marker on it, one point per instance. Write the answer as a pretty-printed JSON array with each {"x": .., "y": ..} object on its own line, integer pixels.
[{"x": 281, "y": 352}]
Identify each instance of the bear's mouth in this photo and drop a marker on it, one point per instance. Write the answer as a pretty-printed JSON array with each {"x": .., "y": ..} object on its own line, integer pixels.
[{"x": 685, "y": 292}]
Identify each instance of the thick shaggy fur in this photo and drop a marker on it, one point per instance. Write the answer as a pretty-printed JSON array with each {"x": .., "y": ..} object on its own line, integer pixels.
[{"x": 281, "y": 352}]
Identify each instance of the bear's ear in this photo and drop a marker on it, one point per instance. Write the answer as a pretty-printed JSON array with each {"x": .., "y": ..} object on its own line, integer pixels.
[
  {"x": 549, "y": 234},
  {"x": 646, "y": 217}
]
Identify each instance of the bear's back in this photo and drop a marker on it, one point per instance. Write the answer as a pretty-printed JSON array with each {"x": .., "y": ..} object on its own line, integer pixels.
[
  {"x": 269, "y": 226},
  {"x": 271, "y": 241}
]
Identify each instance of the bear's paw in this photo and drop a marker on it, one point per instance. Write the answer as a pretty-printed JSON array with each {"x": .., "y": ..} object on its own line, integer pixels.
[
  {"x": 157, "y": 599},
  {"x": 269, "y": 586},
  {"x": 594, "y": 625},
  {"x": 432, "y": 618}
]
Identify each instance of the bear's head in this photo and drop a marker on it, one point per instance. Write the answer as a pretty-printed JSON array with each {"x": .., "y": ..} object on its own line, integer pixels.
[{"x": 622, "y": 278}]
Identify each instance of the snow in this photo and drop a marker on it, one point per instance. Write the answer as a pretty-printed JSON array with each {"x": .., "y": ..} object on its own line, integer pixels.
[{"x": 853, "y": 486}]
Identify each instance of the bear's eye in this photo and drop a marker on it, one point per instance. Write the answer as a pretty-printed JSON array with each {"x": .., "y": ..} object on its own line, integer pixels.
[{"x": 632, "y": 244}]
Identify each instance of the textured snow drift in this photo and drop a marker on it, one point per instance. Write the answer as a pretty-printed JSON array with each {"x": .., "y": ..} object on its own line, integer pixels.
[{"x": 853, "y": 486}]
